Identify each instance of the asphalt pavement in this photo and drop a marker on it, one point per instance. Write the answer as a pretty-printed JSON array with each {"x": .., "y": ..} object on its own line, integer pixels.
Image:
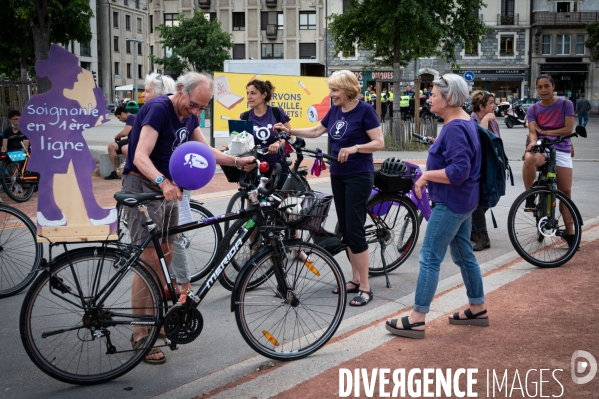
[{"x": 220, "y": 360}]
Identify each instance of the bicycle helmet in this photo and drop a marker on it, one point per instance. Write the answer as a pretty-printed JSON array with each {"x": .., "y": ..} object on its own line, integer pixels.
[{"x": 393, "y": 167}]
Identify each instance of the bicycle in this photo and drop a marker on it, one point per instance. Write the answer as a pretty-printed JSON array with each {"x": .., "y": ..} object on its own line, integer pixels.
[
  {"x": 78, "y": 317},
  {"x": 18, "y": 183},
  {"x": 201, "y": 245},
  {"x": 20, "y": 253},
  {"x": 536, "y": 222}
]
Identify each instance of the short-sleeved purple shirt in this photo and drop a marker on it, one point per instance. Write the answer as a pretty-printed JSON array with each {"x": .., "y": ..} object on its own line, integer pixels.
[
  {"x": 458, "y": 151},
  {"x": 130, "y": 120},
  {"x": 160, "y": 114},
  {"x": 347, "y": 129},
  {"x": 551, "y": 118},
  {"x": 265, "y": 135}
]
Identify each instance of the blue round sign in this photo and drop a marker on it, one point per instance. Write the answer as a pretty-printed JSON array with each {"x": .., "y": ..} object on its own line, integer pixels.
[{"x": 469, "y": 76}]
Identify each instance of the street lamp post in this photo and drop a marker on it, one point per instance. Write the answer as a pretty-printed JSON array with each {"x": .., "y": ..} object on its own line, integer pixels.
[{"x": 135, "y": 77}]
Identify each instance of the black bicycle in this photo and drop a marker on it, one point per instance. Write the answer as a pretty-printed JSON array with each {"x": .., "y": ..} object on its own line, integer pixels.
[
  {"x": 540, "y": 218},
  {"x": 78, "y": 318},
  {"x": 17, "y": 182}
]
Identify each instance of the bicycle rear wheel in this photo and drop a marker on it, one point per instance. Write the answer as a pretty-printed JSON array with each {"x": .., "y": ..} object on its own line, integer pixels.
[
  {"x": 20, "y": 253},
  {"x": 284, "y": 329},
  {"x": 538, "y": 238},
  {"x": 76, "y": 322},
  {"x": 11, "y": 171},
  {"x": 392, "y": 229},
  {"x": 202, "y": 244}
]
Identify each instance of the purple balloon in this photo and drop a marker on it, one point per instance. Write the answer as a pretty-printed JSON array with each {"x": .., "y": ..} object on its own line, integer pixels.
[{"x": 192, "y": 165}]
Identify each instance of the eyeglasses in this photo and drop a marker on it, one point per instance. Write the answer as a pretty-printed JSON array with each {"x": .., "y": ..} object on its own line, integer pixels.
[
  {"x": 161, "y": 82},
  {"x": 444, "y": 81},
  {"x": 196, "y": 106}
]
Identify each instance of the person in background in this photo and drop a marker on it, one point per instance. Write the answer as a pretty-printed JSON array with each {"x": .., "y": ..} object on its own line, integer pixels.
[
  {"x": 483, "y": 106},
  {"x": 452, "y": 174},
  {"x": 426, "y": 93},
  {"x": 354, "y": 133},
  {"x": 583, "y": 106},
  {"x": 384, "y": 103},
  {"x": 13, "y": 118},
  {"x": 551, "y": 117},
  {"x": 120, "y": 144},
  {"x": 390, "y": 102}
]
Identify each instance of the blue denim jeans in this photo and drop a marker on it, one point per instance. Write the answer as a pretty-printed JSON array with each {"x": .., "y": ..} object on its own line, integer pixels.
[
  {"x": 446, "y": 228},
  {"x": 583, "y": 116}
]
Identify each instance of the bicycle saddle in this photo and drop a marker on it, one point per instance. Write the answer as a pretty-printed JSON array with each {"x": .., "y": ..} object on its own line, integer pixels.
[{"x": 132, "y": 199}]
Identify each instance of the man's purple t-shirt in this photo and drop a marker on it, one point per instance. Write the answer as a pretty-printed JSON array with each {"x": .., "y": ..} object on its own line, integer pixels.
[
  {"x": 458, "y": 151},
  {"x": 130, "y": 120},
  {"x": 347, "y": 129},
  {"x": 551, "y": 118},
  {"x": 265, "y": 135},
  {"x": 160, "y": 114}
]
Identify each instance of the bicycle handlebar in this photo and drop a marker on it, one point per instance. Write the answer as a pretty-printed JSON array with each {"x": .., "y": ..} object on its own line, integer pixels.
[
  {"x": 299, "y": 145},
  {"x": 276, "y": 174},
  {"x": 423, "y": 139},
  {"x": 546, "y": 142}
]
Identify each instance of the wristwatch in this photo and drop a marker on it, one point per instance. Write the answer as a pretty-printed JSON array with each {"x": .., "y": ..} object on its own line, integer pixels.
[
  {"x": 159, "y": 179},
  {"x": 358, "y": 147}
]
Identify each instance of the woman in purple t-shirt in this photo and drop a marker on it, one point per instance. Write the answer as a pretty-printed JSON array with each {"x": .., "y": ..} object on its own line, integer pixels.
[
  {"x": 551, "y": 117},
  {"x": 355, "y": 133}
]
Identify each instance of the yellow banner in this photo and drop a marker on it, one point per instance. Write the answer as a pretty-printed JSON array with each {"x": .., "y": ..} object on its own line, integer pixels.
[{"x": 305, "y": 99}]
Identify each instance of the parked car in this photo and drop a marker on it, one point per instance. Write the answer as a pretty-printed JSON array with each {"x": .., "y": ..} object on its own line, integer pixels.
[
  {"x": 527, "y": 102},
  {"x": 132, "y": 107},
  {"x": 111, "y": 107}
]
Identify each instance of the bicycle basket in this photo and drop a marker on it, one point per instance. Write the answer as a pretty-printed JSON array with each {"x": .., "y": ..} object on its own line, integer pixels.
[
  {"x": 231, "y": 172},
  {"x": 306, "y": 210}
]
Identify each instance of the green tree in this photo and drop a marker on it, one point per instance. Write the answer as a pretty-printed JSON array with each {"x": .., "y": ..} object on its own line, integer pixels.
[
  {"x": 196, "y": 43},
  {"x": 52, "y": 21},
  {"x": 592, "y": 43},
  {"x": 397, "y": 32}
]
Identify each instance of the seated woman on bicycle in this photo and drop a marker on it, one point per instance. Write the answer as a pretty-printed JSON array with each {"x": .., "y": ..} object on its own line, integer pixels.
[
  {"x": 13, "y": 130},
  {"x": 355, "y": 133},
  {"x": 453, "y": 174},
  {"x": 551, "y": 117}
]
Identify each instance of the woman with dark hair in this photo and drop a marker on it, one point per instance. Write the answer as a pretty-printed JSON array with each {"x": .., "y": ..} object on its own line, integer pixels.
[
  {"x": 355, "y": 133},
  {"x": 551, "y": 117},
  {"x": 483, "y": 112},
  {"x": 453, "y": 174}
]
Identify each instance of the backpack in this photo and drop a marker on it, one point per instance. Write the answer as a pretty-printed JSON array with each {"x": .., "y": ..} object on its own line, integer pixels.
[
  {"x": 275, "y": 111},
  {"x": 494, "y": 170}
]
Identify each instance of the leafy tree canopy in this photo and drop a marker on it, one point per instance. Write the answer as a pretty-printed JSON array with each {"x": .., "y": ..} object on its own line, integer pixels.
[
  {"x": 593, "y": 41},
  {"x": 403, "y": 31},
  {"x": 196, "y": 43}
]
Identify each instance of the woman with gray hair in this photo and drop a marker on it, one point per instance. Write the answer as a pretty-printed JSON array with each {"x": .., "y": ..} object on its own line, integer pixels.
[
  {"x": 453, "y": 173},
  {"x": 157, "y": 85}
]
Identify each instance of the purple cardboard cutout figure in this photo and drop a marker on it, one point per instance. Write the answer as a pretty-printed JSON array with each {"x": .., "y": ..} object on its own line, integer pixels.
[{"x": 54, "y": 122}]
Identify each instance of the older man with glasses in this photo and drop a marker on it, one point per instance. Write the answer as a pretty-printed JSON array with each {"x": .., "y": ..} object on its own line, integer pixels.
[{"x": 160, "y": 127}]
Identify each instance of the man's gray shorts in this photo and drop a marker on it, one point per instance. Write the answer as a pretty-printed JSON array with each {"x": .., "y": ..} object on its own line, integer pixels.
[{"x": 163, "y": 213}]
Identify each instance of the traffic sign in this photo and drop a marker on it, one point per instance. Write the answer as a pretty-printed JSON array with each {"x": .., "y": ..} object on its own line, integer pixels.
[{"x": 469, "y": 76}]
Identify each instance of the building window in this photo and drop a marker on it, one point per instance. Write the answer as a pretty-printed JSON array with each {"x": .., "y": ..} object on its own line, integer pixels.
[
  {"x": 171, "y": 20},
  {"x": 151, "y": 24},
  {"x": 471, "y": 48},
  {"x": 307, "y": 51},
  {"x": 86, "y": 49},
  {"x": 128, "y": 70},
  {"x": 506, "y": 48},
  {"x": 212, "y": 16},
  {"x": 116, "y": 43},
  {"x": 86, "y": 65},
  {"x": 128, "y": 46},
  {"x": 126, "y": 2},
  {"x": 271, "y": 18},
  {"x": 137, "y": 4},
  {"x": 345, "y": 5},
  {"x": 115, "y": 19},
  {"x": 128, "y": 22},
  {"x": 563, "y": 45},
  {"x": 151, "y": 53},
  {"x": 272, "y": 51},
  {"x": 139, "y": 48},
  {"x": 307, "y": 20},
  {"x": 580, "y": 45},
  {"x": 507, "y": 12},
  {"x": 139, "y": 71},
  {"x": 138, "y": 25},
  {"x": 564, "y": 6},
  {"x": 546, "y": 45},
  {"x": 238, "y": 21},
  {"x": 117, "y": 68},
  {"x": 239, "y": 52}
]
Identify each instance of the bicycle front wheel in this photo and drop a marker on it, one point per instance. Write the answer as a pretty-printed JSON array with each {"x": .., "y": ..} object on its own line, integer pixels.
[
  {"x": 17, "y": 191},
  {"x": 392, "y": 229},
  {"x": 294, "y": 327},
  {"x": 537, "y": 237},
  {"x": 20, "y": 253},
  {"x": 77, "y": 319},
  {"x": 238, "y": 201},
  {"x": 202, "y": 244}
]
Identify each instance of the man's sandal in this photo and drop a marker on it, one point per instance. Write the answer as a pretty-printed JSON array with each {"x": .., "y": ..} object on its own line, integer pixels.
[
  {"x": 471, "y": 319},
  {"x": 360, "y": 299},
  {"x": 406, "y": 331},
  {"x": 139, "y": 343},
  {"x": 356, "y": 288}
]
